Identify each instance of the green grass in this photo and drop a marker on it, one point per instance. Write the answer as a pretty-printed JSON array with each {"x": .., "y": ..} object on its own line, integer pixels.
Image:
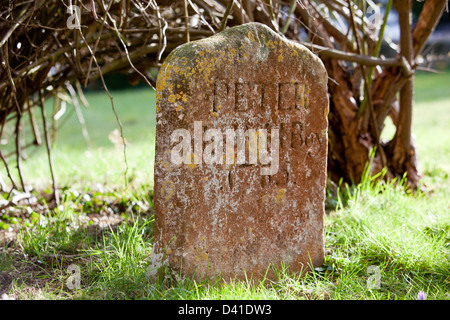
[
  {"x": 103, "y": 163},
  {"x": 406, "y": 236},
  {"x": 431, "y": 123},
  {"x": 107, "y": 229}
]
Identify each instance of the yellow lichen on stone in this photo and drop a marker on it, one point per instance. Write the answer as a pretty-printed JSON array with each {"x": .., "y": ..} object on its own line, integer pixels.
[
  {"x": 270, "y": 44},
  {"x": 251, "y": 36},
  {"x": 201, "y": 252},
  {"x": 167, "y": 189},
  {"x": 165, "y": 165},
  {"x": 306, "y": 96},
  {"x": 172, "y": 98},
  {"x": 294, "y": 52},
  {"x": 204, "y": 256},
  {"x": 224, "y": 162},
  {"x": 279, "y": 197},
  {"x": 301, "y": 101},
  {"x": 191, "y": 160},
  {"x": 280, "y": 57}
]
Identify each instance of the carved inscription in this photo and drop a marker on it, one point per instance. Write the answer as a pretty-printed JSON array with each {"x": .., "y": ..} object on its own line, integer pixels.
[
  {"x": 241, "y": 97},
  {"x": 281, "y": 179},
  {"x": 245, "y": 96},
  {"x": 300, "y": 138},
  {"x": 248, "y": 95}
]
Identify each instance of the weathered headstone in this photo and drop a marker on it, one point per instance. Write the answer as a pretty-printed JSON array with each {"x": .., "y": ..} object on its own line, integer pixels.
[{"x": 241, "y": 151}]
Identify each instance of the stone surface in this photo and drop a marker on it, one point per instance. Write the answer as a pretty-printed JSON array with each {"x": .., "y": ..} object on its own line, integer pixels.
[{"x": 216, "y": 211}]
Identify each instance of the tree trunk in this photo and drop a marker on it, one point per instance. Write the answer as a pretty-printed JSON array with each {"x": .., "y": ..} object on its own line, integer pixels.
[{"x": 400, "y": 150}]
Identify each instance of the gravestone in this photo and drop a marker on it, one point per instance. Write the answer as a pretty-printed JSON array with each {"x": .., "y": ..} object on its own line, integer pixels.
[{"x": 241, "y": 151}]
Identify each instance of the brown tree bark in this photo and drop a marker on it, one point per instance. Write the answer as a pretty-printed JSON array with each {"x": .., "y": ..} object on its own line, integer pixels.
[{"x": 400, "y": 150}]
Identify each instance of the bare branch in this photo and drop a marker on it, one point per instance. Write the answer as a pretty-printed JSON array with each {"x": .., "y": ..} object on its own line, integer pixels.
[
  {"x": 47, "y": 144},
  {"x": 353, "y": 57}
]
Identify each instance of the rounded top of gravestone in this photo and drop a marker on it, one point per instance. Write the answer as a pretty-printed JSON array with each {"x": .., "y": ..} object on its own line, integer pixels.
[{"x": 250, "y": 48}]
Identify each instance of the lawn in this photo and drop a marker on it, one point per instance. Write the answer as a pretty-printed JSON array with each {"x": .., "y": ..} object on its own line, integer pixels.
[
  {"x": 98, "y": 160},
  {"x": 381, "y": 242}
]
